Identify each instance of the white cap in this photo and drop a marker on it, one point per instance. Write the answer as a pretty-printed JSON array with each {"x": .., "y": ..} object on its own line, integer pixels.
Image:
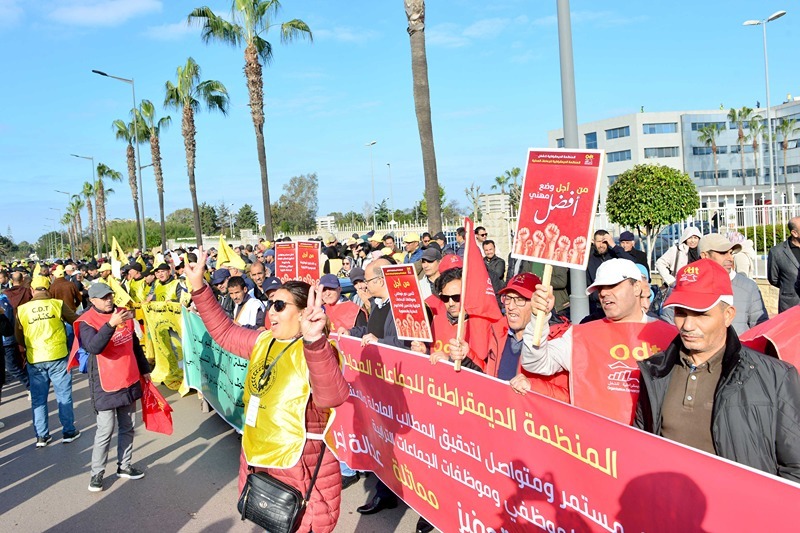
[{"x": 614, "y": 271}]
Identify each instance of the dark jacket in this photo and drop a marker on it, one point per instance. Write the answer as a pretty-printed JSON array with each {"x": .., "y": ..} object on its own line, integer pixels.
[
  {"x": 496, "y": 268},
  {"x": 94, "y": 342},
  {"x": 756, "y": 413},
  {"x": 782, "y": 269}
]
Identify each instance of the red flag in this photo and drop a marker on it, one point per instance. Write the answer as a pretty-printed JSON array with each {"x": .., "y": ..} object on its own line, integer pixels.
[
  {"x": 781, "y": 332},
  {"x": 479, "y": 299}
]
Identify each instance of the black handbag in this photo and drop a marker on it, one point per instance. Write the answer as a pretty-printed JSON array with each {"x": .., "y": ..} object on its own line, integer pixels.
[{"x": 274, "y": 505}]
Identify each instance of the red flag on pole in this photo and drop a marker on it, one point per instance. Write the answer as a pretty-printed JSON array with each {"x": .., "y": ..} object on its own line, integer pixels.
[{"x": 479, "y": 298}]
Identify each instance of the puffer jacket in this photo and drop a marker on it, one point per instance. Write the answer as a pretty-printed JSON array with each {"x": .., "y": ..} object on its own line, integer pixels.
[
  {"x": 756, "y": 413},
  {"x": 329, "y": 389},
  {"x": 676, "y": 257}
]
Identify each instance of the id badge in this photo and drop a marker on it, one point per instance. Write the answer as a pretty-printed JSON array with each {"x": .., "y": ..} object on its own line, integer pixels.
[{"x": 252, "y": 411}]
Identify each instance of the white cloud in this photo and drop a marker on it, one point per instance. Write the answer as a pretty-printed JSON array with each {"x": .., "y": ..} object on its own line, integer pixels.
[
  {"x": 345, "y": 35},
  {"x": 171, "y": 32},
  {"x": 447, "y": 35},
  {"x": 10, "y": 12},
  {"x": 103, "y": 12},
  {"x": 486, "y": 28},
  {"x": 601, "y": 19},
  {"x": 454, "y": 36}
]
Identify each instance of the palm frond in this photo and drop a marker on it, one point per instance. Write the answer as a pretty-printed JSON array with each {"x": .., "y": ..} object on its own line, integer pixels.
[{"x": 295, "y": 29}]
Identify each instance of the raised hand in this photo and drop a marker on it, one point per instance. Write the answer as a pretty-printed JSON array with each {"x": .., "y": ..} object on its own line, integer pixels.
[
  {"x": 312, "y": 324},
  {"x": 194, "y": 272}
]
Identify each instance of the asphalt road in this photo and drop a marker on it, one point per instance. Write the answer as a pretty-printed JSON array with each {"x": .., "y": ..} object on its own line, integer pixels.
[{"x": 189, "y": 486}]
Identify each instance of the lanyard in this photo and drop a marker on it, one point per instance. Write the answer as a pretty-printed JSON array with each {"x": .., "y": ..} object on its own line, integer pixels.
[{"x": 267, "y": 369}]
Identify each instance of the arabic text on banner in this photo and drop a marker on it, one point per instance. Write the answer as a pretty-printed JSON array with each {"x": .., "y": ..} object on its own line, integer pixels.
[{"x": 163, "y": 339}]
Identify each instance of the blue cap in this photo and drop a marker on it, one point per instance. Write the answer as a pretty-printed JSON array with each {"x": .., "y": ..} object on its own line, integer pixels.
[
  {"x": 329, "y": 281},
  {"x": 271, "y": 284},
  {"x": 219, "y": 276}
]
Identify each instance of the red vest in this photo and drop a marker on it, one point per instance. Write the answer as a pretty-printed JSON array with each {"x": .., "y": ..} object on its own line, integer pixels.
[
  {"x": 485, "y": 338},
  {"x": 116, "y": 364},
  {"x": 342, "y": 315},
  {"x": 605, "y": 376}
]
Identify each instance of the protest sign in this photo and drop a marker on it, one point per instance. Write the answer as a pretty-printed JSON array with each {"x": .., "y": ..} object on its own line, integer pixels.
[
  {"x": 408, "y": 309},
  {"x": 308, "y": 261},
  {"x": 212, "y": 370},
  {"x": 557, "y": 206},
  {"x": 285, "y": 261},
  {"x": 471, "y": 455},
  {"x": 777, "y": 336},
  {"x": 163, "y": 339}
]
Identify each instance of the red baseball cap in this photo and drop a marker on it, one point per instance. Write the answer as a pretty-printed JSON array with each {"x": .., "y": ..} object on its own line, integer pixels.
[
  {"x": 450, "y": 261},
  {"x": 699, "y": 286},
  {"x": 523, "y": 284}
]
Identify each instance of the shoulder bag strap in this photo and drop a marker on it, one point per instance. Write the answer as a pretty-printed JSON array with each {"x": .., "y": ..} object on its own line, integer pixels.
[{"x": 316, "y": 471}]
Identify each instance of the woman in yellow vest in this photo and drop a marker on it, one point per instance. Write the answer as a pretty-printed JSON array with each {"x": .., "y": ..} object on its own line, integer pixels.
[{"x": 284, "y": 423}]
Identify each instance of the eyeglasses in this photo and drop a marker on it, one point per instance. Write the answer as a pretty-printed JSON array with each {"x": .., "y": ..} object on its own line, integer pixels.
[
  {"x": 447, "y": 297},
  {"x": 279, "y": 305},
  {"x": 428, "y": 261},
  {"x": 518, "y": 301},
  {"x": 482, "y": 234},
  {"x": 370, "y": 280}
]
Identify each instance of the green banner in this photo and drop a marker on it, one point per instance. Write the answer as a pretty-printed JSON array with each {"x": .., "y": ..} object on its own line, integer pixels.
[{"x": 215, "y": 372}]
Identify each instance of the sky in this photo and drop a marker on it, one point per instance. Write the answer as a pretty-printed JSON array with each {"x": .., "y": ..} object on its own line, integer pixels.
[{"x": 493, "y": 71}]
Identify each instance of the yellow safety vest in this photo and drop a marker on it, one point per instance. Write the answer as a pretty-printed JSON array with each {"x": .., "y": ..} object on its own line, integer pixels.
[
  {"x": 166, "y": 292},
  {"x": 45, "y": 336},
  {"x": 279, "y": 434}
]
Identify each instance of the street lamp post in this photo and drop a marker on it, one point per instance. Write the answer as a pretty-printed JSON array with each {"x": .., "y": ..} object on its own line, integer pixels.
[
  {"x": 94, "y": 240},
  {"x": 372, "y": 171},
  {"x": 230, "y": 216},
  {"x": 143, "y": 244},
  {"x": 53, "y": 237},
  {"x": 60, "y": 233},
  {"x": 391, "y": 196},
  {"x": 763, "y": 24},
  {"x": 71, "y": 245}
]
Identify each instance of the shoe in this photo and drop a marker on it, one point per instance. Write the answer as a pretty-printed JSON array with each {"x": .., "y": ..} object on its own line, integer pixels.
[
  {"x": 2, "y": 425},
  {"x": 349, "y": 480},
  {"x": 69, "y": 437},
  {"x": 96, "y": 484},
  {"x": 378, "y": 504},
  {"x": 29, "y": 395},
  {"x": 129, "y": 473},
  {"x": 41, "y": 442},
  {"x": 423, "y": 526}
]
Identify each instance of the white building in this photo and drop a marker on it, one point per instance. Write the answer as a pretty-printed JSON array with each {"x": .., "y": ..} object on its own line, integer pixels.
[{"x": 672, "y": 138}]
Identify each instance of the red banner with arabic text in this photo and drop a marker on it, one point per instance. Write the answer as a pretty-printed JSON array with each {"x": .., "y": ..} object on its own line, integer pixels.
[
  {"x": 285, "y": 261},
  {"x": 308, "y": 261},
  {"x": 471, "y": 455},
  {"x": 408, "y": 309},
  {"x": 559, "y": 198}
]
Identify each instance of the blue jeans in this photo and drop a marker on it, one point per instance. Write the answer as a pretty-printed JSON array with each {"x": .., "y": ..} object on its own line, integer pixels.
[
  {"x": 346, "y": 470},
  {"x": 13, "y": 367},
  {"x": 41, "y": 375}
]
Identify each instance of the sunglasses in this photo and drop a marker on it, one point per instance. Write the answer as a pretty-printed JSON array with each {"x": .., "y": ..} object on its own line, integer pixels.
[
  {"x": 279, "y": 305},
  {"x": 447, "y": 297},
  {"x": 482, "y": 234},
  {"x": 428, "y": 261}
]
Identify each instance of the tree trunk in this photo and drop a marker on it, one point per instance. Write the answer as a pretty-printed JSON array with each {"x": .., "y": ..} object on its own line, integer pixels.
[
  {"x": 99, "y": 207},
  {"x": 188, "y": 131},
  {"x": 134, "y": 193},
  {"x": 716, "y": 172},
  {"x": 92, "y": 237},
  {"x": 787, "y": 200},
  {"x": 255, "y": 88},
  {"x": 415, "y": 12},
  {"x": 755, "y": 159},
  {"x": 155, "y": 153},
  {"x": 741, "y": 153}
]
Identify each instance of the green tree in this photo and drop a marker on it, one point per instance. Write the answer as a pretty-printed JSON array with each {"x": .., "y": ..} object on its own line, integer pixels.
[
  {"x": 500, "y": 181},
  {"x": 182, "y": 216},
  {"x": 208, "y": 220},
  {"x": 741, "y": 117},
  {"x": 246, "y": 218},
  {"x": 649, "y": 197},
  {"x": 297, "y": 206},
  {"x": 127, "y": 133},
  {"x": 88, "y": 193},
  {"x": 514, "y": 189},
  {"x": 473, "y": 193},
  {"x": 415, "y": 13},
  {"x": 786, "y": 128},
  {"x": 153, "y": 128},
  {"x": 756, "y": 131},
  {"x": 251, "y": 21},
  {"x": 708, "y": 136},
  {"x": 101, "y": 192},
  {"x": 382, "y": 212},
  {"x": 189, "y": 95}
]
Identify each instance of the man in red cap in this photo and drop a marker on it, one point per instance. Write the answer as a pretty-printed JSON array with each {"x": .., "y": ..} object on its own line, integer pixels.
[{"x": 708, "y": 391}]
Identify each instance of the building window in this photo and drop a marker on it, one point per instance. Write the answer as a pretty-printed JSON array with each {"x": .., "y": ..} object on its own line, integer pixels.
[
  {"x": 697, "y": 126},
  {"x": 660, "y": 127},
  {"x": 612, "y": 179},
  {"x": 792, "y": 169},
  {"x": 748, "y": 148},
  {"x": 622, "y": 155},
  {"x": 737, "y": 172},
  {"x": 709, "y": 174},
  {"x": 616, "y": 133},
  {"x": 591, "y": 140},
  {"x": 706, "y": 150},
  {"x": 735, "y": 126},
  {"x": 666, "y": 151},
  {"x": 560, "y": 142}
]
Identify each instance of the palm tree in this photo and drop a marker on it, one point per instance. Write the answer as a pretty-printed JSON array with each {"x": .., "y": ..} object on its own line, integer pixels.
[
  {"x": 708, "y": 136},
  {"x": 415, "y": 13},
  {"x": 154, "y": 127},
  {"x": 251, "y": 21},
  {"x": 501, "y": 181},
  {"x": 756, "y": 131},
  {"x": 740, "y": 117},
  {"x": 68, "y": 220},
  {"x": 188, "y": 96},
  {"x": 126, "y": 132},
  {"x": 786, "y": 128},
  {"x": 76, "y": 205},
  {"x": 100, "y": 201},
  {"x": 88, "y": 193}
]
